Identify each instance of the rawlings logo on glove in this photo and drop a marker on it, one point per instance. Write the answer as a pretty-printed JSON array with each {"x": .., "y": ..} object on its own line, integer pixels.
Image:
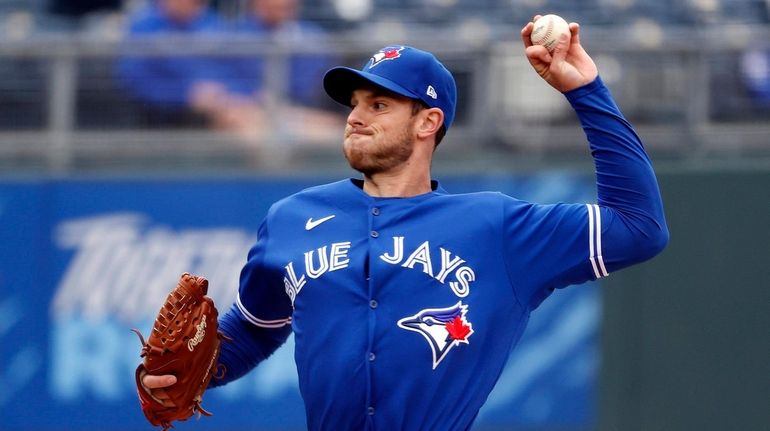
[
  {"x": 184, "y": 343},
  {"x": 199, "y": 334}
]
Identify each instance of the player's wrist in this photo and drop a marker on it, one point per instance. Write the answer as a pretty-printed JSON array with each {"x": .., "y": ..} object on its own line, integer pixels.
[{"x": 595, "y": 85}]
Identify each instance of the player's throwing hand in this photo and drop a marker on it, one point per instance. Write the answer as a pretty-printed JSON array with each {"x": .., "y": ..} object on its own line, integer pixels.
[{"x": 568, "y": 67}]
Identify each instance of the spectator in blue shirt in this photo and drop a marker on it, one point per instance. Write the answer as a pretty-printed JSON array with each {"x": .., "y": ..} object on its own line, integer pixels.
[
  {"x": 277, "y": 20},
  {"x": 241, "y": 103},
  {"x": 164, "y": 84}
]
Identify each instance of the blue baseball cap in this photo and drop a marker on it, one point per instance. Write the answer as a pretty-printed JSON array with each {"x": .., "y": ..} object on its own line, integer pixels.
[{"x": 403, "y": 70}]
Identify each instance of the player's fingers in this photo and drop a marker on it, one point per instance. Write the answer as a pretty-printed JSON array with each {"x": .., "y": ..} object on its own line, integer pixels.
[
  {"x": 526, "y": 33},
  {"x": 561, "y": 49},
  {"x": 538, "y": 54},
  {"x": 574, "y": 28},
  {"x": 153, "y": 382},
  {"x": 162, "y": 397}
]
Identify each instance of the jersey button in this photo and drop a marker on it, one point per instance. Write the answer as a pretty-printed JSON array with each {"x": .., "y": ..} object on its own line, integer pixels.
[
  {"x": 373, "y": 303},
  {"x": 371, "y": 357},
  {"x": 375, "y": 234},
  {"x": 376, "y": 211},
  {"x": 370, "y": 410}
]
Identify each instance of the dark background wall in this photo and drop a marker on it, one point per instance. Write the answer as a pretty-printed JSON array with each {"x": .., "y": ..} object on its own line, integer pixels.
[{"x": 686, "y": 336}]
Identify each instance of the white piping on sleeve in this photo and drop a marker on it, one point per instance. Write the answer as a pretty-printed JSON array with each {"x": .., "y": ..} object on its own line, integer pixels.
[
  {"x": 595, "y": 241},
  {"x": 259, "y": 322}
]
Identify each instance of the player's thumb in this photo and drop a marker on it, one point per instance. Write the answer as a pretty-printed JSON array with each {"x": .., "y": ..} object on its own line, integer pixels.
[
  {"x": 561, "y": 49},
  {"x": 575, "y": 30},
  {"x": 155, "y": 382}
]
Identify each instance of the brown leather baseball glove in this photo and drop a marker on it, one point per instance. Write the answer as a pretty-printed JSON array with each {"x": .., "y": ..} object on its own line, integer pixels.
[{"x": 185, "y": 343}]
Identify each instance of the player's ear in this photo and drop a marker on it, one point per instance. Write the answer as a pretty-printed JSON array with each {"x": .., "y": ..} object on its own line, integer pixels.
[{"x": 430, "y": 122}]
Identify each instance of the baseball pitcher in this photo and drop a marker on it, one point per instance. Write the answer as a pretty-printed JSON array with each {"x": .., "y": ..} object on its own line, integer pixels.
[{"x": 405, "y": 299}]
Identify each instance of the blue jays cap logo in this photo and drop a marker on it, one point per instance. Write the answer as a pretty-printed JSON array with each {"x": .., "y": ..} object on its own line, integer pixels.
[
  {"x": 443, "y": 328},
  {"x": 387, "y": 53}
]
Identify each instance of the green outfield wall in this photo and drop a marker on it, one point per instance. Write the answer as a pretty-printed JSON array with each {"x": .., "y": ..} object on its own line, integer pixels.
[{"x": 686, "y": 337}]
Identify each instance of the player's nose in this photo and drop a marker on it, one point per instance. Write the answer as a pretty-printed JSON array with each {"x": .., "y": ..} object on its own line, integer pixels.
[{"x": 355, "y": 117}]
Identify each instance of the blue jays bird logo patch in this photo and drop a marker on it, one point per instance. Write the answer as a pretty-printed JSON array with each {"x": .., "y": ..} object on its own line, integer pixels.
[
  {"x": 443, "y": 328},
  {"x": 388, "y": 53}
]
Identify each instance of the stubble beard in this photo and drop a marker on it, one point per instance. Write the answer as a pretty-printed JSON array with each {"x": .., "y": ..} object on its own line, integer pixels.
[{"x": 378, "y": 157}]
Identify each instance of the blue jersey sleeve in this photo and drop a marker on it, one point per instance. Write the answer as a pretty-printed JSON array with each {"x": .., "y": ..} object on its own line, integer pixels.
[
  {"x": 260, "y": 320},
  {"x": 262, "y": 299},
  {"x": 630, "y": 207},
  {"x": 553, "y": 246},
  {"x": 549, "y": 247},
  {"x": 248, "y": 345}
]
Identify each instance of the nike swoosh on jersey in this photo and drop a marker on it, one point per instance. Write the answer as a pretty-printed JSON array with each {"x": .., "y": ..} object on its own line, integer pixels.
[{"x": 311, "y": 224}]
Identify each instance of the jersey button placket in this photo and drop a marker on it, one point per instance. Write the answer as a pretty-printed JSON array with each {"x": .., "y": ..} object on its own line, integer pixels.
[
  {"x": 375, "y": 212},
  {"x": 371, "y": 280}
]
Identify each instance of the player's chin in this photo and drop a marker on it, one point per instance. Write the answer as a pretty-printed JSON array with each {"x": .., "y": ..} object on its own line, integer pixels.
[
  {"x": 357, "y": 162},
  {"x": 356, "y": 144},
  {"x": 358, "y": 158},
  {"x": 352, "y": 150}
]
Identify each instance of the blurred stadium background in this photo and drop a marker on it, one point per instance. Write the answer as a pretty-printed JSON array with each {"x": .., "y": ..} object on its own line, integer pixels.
[{"x": 102, "y": 204}]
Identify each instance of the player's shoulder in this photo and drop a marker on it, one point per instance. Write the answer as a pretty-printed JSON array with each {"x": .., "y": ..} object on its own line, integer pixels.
[
  {"x": 490, "y": 203},
  {"x": 480, "y": 199},
  {"x": 319, "y": 194},
  {"x": 337, "y": 188}
]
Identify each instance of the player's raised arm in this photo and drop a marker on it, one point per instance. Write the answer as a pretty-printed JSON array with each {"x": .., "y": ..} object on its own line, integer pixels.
[{"x": 630, "y": 220}]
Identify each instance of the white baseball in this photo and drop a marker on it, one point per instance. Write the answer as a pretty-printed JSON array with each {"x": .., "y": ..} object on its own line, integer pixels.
[{"x": 547, "y": 30}]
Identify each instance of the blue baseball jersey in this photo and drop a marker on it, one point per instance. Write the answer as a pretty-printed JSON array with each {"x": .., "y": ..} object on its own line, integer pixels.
[{"x": 405, "y": 310}]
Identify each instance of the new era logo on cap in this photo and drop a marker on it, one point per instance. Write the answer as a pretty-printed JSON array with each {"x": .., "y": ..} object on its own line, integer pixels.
[
  {"x": 431, "y": 92},
  {"x": 403, "y": 70}
]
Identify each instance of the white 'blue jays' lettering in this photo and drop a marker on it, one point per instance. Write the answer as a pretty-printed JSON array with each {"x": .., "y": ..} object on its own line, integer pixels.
[
  {"x": 335, "y": 256},
  {"x": 421, "y": 256}
]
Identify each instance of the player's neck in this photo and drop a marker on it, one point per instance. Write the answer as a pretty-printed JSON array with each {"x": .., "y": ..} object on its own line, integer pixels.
[{"x": 402, "y": 184}]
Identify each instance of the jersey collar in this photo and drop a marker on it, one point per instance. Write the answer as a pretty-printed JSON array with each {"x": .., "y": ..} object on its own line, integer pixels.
[{"x": 435, "y": 186}]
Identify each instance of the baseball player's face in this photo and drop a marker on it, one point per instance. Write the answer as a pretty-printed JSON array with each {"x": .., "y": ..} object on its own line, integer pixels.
[{"x": 379, "y": 134}]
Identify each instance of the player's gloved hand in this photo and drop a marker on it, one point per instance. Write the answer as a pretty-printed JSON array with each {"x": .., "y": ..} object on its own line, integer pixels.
[
  {"x": 568, "y": 67},
  {"x": 180, "y": 356},
  {"x": 154, "y": 386}
]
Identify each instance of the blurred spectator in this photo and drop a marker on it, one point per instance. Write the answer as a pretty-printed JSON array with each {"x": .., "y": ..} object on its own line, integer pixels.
[
  {"x": 163, "y": 84},
  {"x": 277, "y": 20},
  {"x": 755, "y": 69},
  {"x": 242, "y": 103}
]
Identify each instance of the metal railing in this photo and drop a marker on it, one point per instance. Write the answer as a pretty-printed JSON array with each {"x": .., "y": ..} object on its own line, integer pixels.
[{"x": 684, "y": 94}]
